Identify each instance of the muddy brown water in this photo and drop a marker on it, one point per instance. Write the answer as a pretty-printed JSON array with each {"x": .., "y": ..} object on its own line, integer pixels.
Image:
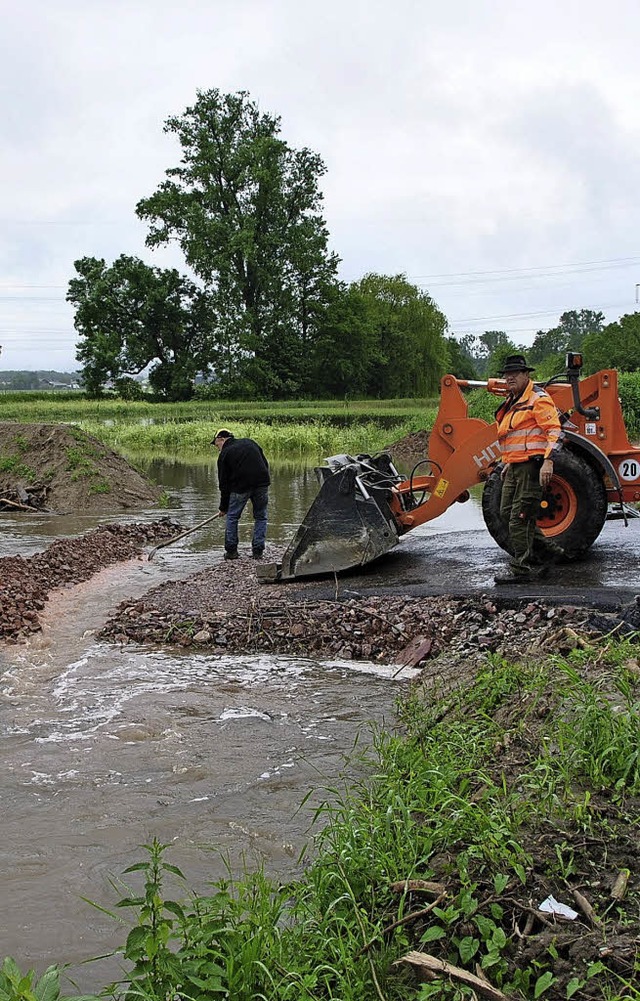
[{"x": 104, "y": 748}]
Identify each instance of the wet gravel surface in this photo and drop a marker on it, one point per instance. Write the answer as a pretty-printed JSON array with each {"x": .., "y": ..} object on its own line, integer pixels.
[
  {"x": 25, "y": 583},
  {"x": 226, "y": 609}
]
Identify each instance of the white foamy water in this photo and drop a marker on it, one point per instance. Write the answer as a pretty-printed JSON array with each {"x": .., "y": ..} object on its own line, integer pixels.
[{"x": 96, "y": 694}]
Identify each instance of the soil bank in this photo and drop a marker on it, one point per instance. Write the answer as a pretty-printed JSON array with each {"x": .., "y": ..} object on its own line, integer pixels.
[{"x": 60, "y": 468}]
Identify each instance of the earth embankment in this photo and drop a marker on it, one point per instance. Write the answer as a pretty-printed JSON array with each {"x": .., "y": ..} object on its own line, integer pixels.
[{"x": 60, "y": 468}]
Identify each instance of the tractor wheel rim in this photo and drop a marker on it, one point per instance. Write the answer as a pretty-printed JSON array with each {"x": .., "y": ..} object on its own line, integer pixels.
[{"x": 559, "y": 507}]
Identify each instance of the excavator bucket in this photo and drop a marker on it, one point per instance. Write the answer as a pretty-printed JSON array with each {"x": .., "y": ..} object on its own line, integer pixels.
[{"x": 349, "y": 523}]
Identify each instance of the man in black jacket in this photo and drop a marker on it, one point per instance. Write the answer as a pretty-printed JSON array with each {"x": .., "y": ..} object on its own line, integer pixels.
[{"x": 243, "y": 475}]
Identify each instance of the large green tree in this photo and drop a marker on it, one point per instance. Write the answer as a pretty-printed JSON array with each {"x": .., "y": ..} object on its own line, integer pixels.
[
  {"x": 344, "y": 360},
  {"x": 406, "y": 351},
  {"x": 246, "y": 210},
  {"x": 488, "y": 350},
  {"x": 131, "y": 316},
  {"x": 460, "y": 361},
  {"x": 549, "y": 347},
  {"x": 499, "y": 346},
  {"x": 616, "y": 346}
]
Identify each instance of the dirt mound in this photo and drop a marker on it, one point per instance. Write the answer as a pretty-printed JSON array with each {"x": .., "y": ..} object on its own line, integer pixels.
[
  {"x": 410, "y": 449},
  {"x": 62, "y": 469}
]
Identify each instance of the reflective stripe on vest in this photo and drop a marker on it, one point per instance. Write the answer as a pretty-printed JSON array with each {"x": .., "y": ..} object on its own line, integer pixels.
[{"x": 531, "y": 427}]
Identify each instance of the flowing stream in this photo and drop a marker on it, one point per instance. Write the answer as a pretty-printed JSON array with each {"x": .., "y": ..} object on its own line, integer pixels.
[{"x": 105, "y": 747}]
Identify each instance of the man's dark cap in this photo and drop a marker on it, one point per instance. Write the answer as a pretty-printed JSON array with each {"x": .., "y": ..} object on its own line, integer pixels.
[
  {"x": 515, "y": 363},
  {"x": 222, "y": 433}
]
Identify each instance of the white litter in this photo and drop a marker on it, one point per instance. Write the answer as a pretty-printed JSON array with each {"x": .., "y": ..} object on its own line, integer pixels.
[{"x": 553, "y": 906}]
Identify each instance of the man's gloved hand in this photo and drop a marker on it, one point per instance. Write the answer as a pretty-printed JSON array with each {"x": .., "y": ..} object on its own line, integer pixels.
[{"x": 546, "y": 472}]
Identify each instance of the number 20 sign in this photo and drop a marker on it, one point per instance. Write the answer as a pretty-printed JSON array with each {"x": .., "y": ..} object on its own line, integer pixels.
[{"x": 629, "y": 469}]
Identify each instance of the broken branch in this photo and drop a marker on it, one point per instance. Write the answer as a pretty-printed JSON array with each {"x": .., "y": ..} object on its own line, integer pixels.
[{"x": 423, "y": 961}]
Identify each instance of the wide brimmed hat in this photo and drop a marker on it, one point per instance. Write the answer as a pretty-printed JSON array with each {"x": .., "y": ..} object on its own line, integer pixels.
[{"x": 515, "y": 363}]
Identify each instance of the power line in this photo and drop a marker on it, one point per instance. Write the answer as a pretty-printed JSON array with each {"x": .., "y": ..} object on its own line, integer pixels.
[
  {"x": 543, "y": 271},
  {"x": 30, "y": 298},
  {"x": 545, "y": 312},
  {"x": 16, "y": 334},
  {"x": 534, "y": 279},
  {"x": 498, "y": 274},
  {"x": 610, "y": 262},
  {"x": 60, "y": 222}
]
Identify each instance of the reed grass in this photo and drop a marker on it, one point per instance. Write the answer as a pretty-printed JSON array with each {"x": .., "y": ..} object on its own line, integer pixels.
[{"x": 311, "y": 439}]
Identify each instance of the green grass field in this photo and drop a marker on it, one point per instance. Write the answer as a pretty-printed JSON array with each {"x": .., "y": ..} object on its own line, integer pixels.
[
  {"x": 308, "y": 428},
  {"x": 286, "y": 429},
  {"x": 38, "y": 406}
]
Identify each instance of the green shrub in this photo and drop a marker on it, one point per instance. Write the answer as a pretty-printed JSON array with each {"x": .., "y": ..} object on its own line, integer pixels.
[{"x": 629, "y": 388}]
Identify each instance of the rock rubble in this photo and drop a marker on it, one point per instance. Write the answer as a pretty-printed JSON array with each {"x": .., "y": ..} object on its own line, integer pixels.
[
  {"x": 226, "y": 610},
  {"x": 25, "y": 582}
]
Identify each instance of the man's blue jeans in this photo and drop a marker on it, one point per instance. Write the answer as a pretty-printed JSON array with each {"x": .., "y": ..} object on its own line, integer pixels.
[{"x": 237, "y": 502}]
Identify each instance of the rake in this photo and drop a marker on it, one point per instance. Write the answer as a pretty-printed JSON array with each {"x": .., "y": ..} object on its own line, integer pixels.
[{"x": 176, "y": 538}]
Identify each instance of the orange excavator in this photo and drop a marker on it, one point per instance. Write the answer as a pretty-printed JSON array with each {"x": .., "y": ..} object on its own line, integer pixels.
[{"x": 364, "y": 506}]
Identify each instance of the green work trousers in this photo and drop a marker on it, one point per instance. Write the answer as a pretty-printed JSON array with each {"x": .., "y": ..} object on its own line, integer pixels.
[{"x": 519, "y": 509}]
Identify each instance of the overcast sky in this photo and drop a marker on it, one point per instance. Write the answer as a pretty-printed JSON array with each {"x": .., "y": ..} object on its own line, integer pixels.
[{"x": 488, "y": 149}]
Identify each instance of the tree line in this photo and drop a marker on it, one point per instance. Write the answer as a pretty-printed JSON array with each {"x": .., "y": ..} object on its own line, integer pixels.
[
  {"x": 603, "y": 345},
  {"x": 261, "y": 313},
  {"x": 24, "y": 379}
]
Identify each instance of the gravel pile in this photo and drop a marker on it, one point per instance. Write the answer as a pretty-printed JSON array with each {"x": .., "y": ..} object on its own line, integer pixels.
[
  {"x": 25, "y": 582},
  {"x": 225, "y": 609}
]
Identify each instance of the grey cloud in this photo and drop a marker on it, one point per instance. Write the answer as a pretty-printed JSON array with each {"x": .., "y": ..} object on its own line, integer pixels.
[{"x": 461, "y": 137}]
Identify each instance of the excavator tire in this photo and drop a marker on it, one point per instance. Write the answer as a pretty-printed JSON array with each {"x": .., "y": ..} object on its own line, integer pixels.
[{"x": 573, "y": 510}]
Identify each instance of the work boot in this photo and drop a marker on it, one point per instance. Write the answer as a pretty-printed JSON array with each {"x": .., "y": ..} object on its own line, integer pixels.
[
  {"x": 558, "y": 555},
  {"x": 257, "y": 554},
  {"x": 528, "y": 576},
  {"x": 231, "y": 554}
]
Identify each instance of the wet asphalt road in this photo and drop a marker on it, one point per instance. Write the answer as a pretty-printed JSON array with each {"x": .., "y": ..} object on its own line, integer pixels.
[{"x": 428, "y": 563}]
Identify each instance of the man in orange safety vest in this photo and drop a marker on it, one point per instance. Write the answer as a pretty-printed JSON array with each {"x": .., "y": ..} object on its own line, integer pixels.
[{"x": 529, "y": 435}]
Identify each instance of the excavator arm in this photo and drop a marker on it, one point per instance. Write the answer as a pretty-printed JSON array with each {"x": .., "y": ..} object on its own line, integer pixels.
[
  {"x": 364, "y": 506},
  {"x": 462, "y": 449}
]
